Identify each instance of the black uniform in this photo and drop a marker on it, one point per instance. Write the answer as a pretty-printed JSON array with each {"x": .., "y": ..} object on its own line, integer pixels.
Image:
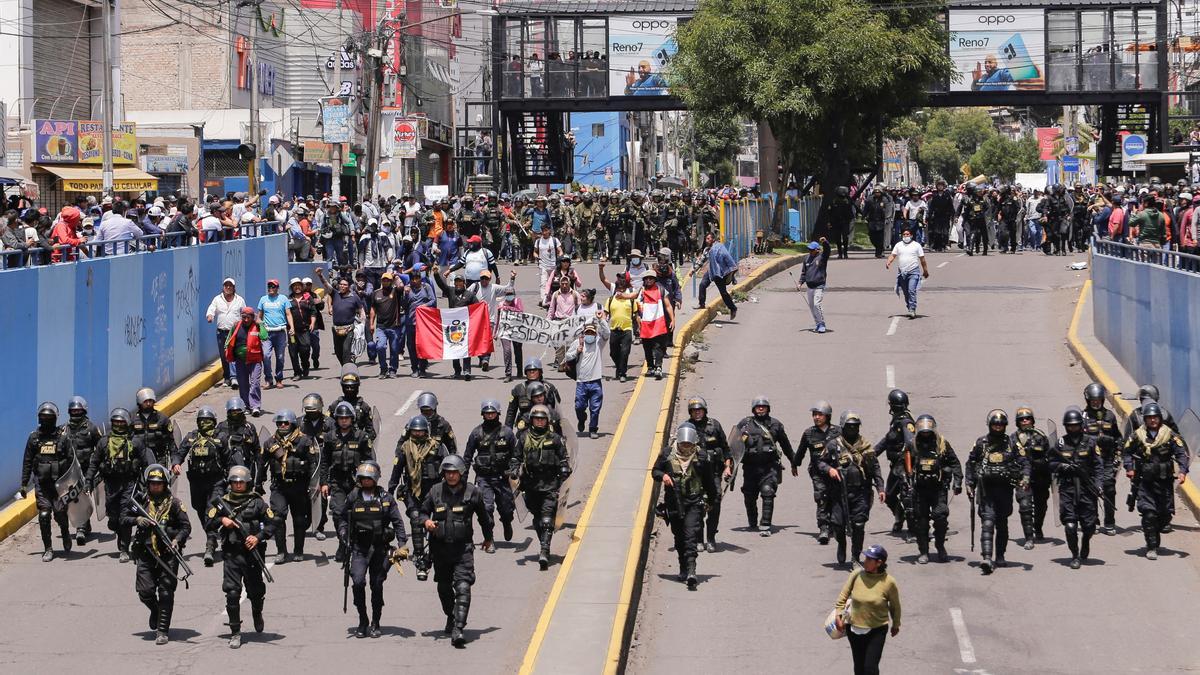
[
  {"x": 207, "y": 463},
  {"x": 157, "y": 432},
  {"x": 814, "y": 441},
  {"x": 292, "y": 461},
  {"x": 241, "y": 445},
  {"x": 519, "y": 403},
  {"x": 490, "y": 448},
  {"x": 240, "y": 566},
  {"x": 451, "y": 543},
  {"x": 1102, "y": 425},
  {"x": 693, "y": 488},
  {"x": 48, "y": 456},
  {"x": 317, "y": 428},
  {"x": 543, "y": 463},
  {"x": 363, "y": 419},
  {"x": 974, "y": 213},
  {"x": 935, "y": 472},
  {"x": 1151, "y": 459},
  {"x": 341, "y": 454},
  {"x": 440, "y": 431},
  {"x": 994, "y": 467},
  {"x": 764, "y": 438},
  {"x": 1079, "y": 466},
  {"x": 119, "y": 461},
  {"x": 714, "y": 449},
  {"x": 157, "y": 569},
  {"x": 370, "y": 521},
  {"x": 899, "y": 435},
  {"x": 849, "y": 497},
  {"x": 85, "y": 436},
  {"x": 415, "y": 469},
  {"x": 1031, "y": 502}
]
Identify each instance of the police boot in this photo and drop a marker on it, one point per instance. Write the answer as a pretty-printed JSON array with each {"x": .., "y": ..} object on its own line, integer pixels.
[
  {"x": 256, "y": 613},
  {"x": 376, "y": 613},
  {"x": 690, "y": 575},
  {"x": 1150, "y": 532},
  {"x": 360, "y": 604},
  {"x": 210, "y": 548},
  {"x": 768, "y": 510},
  {"x": 1071, "y": 532},
  {"x": 298, "y": 545},
  {"x": 898, "y": 519},
  {"x": 44, "y": 525},
  {"x": 234, "y": 610},
  {"x": 165, "y": 609},
  {"x": 752, "y": 514},
  {"x": 151, "y": 602},
  {"x": 985, "y": 548},
  {"x": 857, "y": 533},
  {"x": 508, "y": 529},
  {"x": 462, "y": 607},
  {"x": 65, "y": 531},
  {"x": 123, "y": 536},
  {"x": 547, "y": 530},
  {"x": 841, "y": 548},
  {"x": 1085, "y": 545},
  {"x": 823, "y": 535}
]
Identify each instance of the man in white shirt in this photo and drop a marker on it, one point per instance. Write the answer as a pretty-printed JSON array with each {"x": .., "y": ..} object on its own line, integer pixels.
[
  {"x": 1031, "y": 220},
  {"x": 546, "y": 248},
  {"x": 226, "y": 309},
  {"x": 910, "y": 269}
]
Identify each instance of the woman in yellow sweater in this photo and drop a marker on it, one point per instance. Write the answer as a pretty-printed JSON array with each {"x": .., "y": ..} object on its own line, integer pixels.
[{"x": 876, "y": 597}]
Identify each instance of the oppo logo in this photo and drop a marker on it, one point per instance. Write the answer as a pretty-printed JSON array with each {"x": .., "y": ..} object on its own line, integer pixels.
[
  {"x": 651, "y": 25},
  {"x": 997, "y": 19}
]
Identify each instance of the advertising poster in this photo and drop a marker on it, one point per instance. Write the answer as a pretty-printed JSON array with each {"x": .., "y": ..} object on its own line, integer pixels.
[
  {"x": 998, "y": 49},
  {"x": 91, "y": 143},
  {"x": 406, "y": 138},
  {"x": 335, "y": 122},
  {"x": 639, "y": 49},
  {"x": 1047, "y": 138},
  {"x": 82, "y": 142},
  {"x": 56, "y": 141}
]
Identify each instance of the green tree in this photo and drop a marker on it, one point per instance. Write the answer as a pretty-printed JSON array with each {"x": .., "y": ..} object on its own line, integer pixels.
[
  {"x": 940, "y": 158},
  {"x": 1003, "y": 158},
  {"x": 718, "y": 137},
  {"x": 822, "y": 74}
]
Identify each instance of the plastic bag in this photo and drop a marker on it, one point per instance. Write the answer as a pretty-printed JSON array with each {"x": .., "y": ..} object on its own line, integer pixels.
[
  {"x": 831, "y": 628},
  {"x": 359, "y": 344}
]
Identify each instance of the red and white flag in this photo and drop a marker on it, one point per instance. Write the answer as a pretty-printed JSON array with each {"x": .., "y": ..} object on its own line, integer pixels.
[{"x": 457, "y": 333}]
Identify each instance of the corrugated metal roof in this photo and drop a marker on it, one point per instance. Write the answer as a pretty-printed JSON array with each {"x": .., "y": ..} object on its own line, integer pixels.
[
  {"x": 597, "y": 6},
  {"x": 1055, "y": 4}
]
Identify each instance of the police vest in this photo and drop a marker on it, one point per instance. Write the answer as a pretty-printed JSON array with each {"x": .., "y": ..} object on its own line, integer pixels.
[
  {"x": 48, "y": 459},
  {"x": 540, "y": 453},
  {"x": 453, "y": 521},
  {"x": 422, "y": 463},
  {"x": 292, "y": 465},
  {"x": 1156, "y": 458},
  {"x": 850, "y": 460},
  {"x": 759, "y": 440},
  {"x": 347, "y": 454},
  {"x": 686, "y": 477},
  {"x": 155, "y": 430},
  {"x": 82, "y": 438},
  {"x": 369, "y": 516},
  {"x": 492, "y": 452},
  {"x": 1031, "y": 442},
  {"x": 930, "y": 462},
  {"x": 118, "y": 459},
  {"x": 998, "y": 462},
  {"x": 203, "y": 457}
]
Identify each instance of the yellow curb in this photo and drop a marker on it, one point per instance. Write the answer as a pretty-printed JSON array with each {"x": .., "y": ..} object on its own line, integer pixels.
[
  {"x": 15, "y": 515},
  {"x": 635, "y": 558},
  {"x": 1123, "y": 408}
]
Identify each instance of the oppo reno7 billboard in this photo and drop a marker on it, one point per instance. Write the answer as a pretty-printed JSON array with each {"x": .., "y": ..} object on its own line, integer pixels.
[
  {"x": 998, "y": 49},
  {"x": 639, "y": 49}
]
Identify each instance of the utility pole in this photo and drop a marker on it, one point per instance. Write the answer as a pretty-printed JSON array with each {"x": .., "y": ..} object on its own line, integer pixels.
[
  {"x": 336, "y": 188},
  {"x": 252, "y": 173},
  {"x": 107, "y": 162},
  {"x": 375, "y": 54}
]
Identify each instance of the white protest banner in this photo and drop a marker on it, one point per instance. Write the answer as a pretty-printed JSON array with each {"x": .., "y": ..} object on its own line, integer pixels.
[{"x": 530, "y": 328}]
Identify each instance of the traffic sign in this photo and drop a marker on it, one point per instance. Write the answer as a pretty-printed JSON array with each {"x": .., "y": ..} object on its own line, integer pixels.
[
  {"x": 407, "y": 138},
  {"x": 1070, "y": 164},
  {"x": 1133, "y": 150}
]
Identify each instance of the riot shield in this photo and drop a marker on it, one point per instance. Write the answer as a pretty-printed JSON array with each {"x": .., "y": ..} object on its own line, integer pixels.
[
  {"x": 564, "y": 490},
  {"x": 1189, "y": 429},
  {"x": 314, "y": 496},
  {"x": 519, "y": 508},
  {"x": 100, "y": 501},
  {"x": 377, "y": 422},
  {"x": 1052, "y": 436},
  {"x": 72, "y": 497},
  {"x": 264, "y": 441},
  {"x": 171, "y": 477},
  {"x": 737, "y": 448}
]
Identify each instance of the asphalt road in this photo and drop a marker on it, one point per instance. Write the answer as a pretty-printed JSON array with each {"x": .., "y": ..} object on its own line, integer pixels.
[
  {"x": 82, "y": 613},
  {"x": 990, "y": 333}
]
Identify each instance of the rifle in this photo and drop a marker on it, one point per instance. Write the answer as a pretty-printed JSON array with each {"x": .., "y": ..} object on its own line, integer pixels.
[
  {"x": 161, "y": 533},
  {"x": 223, "y": 511},
  {"x": 910, "y": 497}
]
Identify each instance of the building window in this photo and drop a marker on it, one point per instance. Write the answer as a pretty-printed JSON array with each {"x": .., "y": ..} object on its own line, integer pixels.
[
  {"x": 597, "y": 130},
  {"x": 1102, "y": 50}
]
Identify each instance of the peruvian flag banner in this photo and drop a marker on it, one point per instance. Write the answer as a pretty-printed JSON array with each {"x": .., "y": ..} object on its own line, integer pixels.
[{"x": 457, "y": 333}]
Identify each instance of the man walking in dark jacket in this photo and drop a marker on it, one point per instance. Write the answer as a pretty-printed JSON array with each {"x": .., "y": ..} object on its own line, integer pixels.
[
  {"x": 458, "y": 295},
  {"x": 812, "y": 279}
]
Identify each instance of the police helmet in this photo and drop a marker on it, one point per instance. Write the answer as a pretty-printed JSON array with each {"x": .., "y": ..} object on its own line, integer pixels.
[
  {"x": 343, "y": 409},
  {"x": 206, "y": 413},
  {"x": 897, "y": 398},
  {"x": 367, "y": 470},
  {"x": 1024, "y": 413},
  {"x": 1072, "y": 416},
  {"x": 155, "y": 473},
  {"x": 418, "y": 423},
  {"x": 490, "y": 405},
  {"x": 1151, "y": 409},
  {"x": 760, "y": 400},
  {"x": 926, "y": 424},
  {"x": 349, "y": 381},
  {"x": 876, "y": 552},
  {"x": 539, "y": 411},
  {"x": 285, "y": 415},
  {"x": 453, "y": 463},
  {"x": 697, "y": 403},
  {"x": 47, "y": 409},
  {"x": 537, "y": 389},
  {"x": 313, "y": 403},
  {"x": 145, "y": 394},
  {"x": 1147, "y": 392},
  {"x": 822, "y": 407},
  {"x": 77, "y": 404},
  {"x": 687, "y": 434},
  {"x": 850, "y": 417},
  {"x": 120, "y": 415},
  {"x": 234, "y": 406},
  {"x": 238, "y": 474},
  {"x": 843, "y": 191},
  {"x": 1093, "y": 391},
  {"x": 532, "y": 363},
  {"x": 997, "y": 417},
  {"x": 427, "y": 400}
]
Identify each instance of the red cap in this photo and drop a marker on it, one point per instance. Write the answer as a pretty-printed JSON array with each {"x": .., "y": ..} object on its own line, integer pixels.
[
  {"x": 474, "y": 239},
  {"x": 247, "y": 311},
  {"x": 272, "y": 282}
]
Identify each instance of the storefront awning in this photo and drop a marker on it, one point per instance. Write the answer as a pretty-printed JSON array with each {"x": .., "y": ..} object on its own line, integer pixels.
[{"x": 91, "y": 178}]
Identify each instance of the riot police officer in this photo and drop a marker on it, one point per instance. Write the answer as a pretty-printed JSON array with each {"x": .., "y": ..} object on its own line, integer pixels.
[
  {"x": 343, "y": 450},
  {"x": 899, "y": 435},
  {"x": 445, "y": 512},
  {"x": 813, "y": 442},
  {"x": 119, "y": 461},
  {"x": 714, "y": 449},
  {"x": 157, "y": 568},
  {"x": 370, "y": 520},
  {"x": 1101, "y": 424},
  {"x": 690, "y": 487},
  {"x": 469, "y": 222},
  {"x": 994, "y": 467},
  {"x": 48, "y": 456},
  {"x": 84, "y": 436},
  {"x": 935, "y": 471},
  {"x": 974, "y": 213},
  {"x": 853, "y": 476},
  {"x": 1079, "y": 467},
  {"x": 1031, "y": 503},
  {"x": 1149, "y": 453},
  {"x": 439, "y": 427},
  {"x": 538, "y": 392},
  {"x": 239, "y": 435},
  {"x": 243, "y": 524},
  {"x": 490, "y": 448},
  {"x": 764, "y": 440},
  {"x": 317, "y": 425},
  {"x": 1148, "y": 393},
  {"x": 519, "y": 401},
  {"x": 543, "y": 464},
  {"x": 291, "y": 458},
  {"x": 156, "y": 429},
  {"x": 363, "y": 419},
  {"x": 207, "y": 464},
  {"x": 415, "y": 469}
]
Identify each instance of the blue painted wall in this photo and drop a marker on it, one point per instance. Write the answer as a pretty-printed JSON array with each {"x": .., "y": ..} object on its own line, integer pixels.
[
  {"x": 596, "y": 153},
  {"x": 104, "y": 328},
  {"x": 1163, "y": 348}
]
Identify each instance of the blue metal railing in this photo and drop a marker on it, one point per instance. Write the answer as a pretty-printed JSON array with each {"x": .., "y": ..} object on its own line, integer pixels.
[{"x": 1160, "y": 257}]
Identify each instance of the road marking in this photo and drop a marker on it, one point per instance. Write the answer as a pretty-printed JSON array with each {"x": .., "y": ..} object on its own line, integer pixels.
[
  {"x": 891, "y": 377},
  {"x": 892, "y": 326},
  {"x": 408, "y": 403},
  {"x": 224, "y": 612},
  {"x": 943, "y": 264},
  {"x": 960, "y": 255},
  {"x": 965, "y": 650}
]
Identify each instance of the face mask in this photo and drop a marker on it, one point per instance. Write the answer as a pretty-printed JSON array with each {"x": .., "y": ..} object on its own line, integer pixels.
[
  {"x": 589, "y": 339},
  {"x": 908, "y": 240},
  {"x": 509, "y": 298},
  {"x": 634, "y": 262}
]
